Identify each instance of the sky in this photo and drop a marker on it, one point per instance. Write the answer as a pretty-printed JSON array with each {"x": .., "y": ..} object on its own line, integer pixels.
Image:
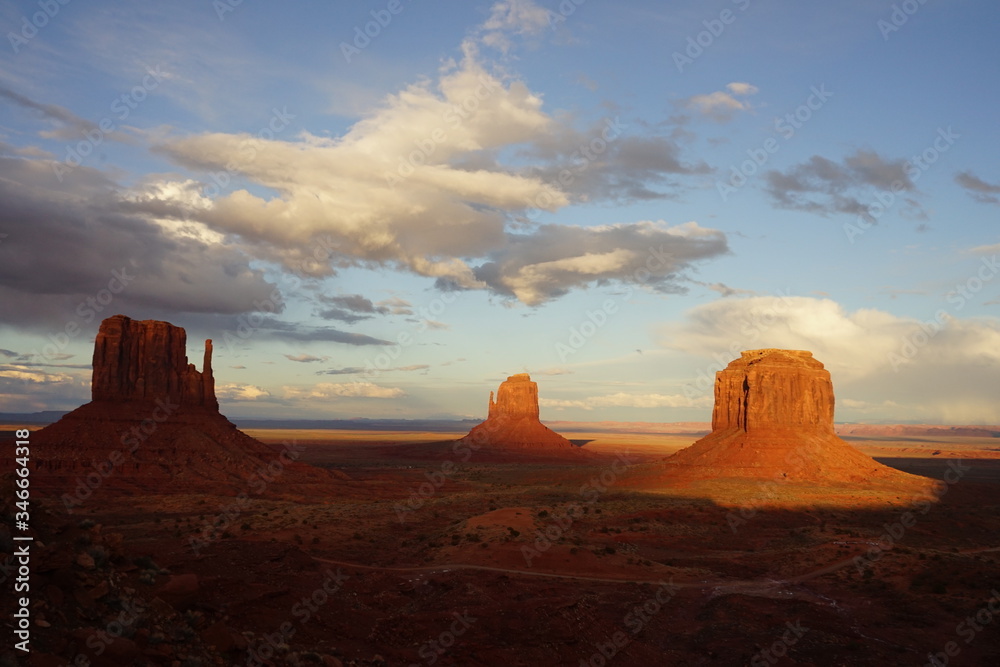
[{"x": 383, "y": 209}]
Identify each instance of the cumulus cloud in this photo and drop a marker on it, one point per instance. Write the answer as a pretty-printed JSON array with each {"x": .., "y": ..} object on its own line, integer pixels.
[
  {"x": 81, "y": 240},
  {"x": 823, "y": 186},
  {"x": 305, "y": 358},
  {"x": 514, "y": 17},
  {"x": 940, "y": 368},
  {"x": 241, "y": 392},
  {"x": 721, "y": 106},
  {"x": 978, "y": 189},
  {"x": 416, "y": 185},
  {"x": 554, "y": 259},
  {"x": 330, "y": 390}
]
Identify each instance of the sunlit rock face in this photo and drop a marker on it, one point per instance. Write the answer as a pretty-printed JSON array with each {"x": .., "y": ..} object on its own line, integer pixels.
[
  {"x": 512, "y": 421},
  {"x": 773, "y": 419},
  {"x": 769, "y": 389}
]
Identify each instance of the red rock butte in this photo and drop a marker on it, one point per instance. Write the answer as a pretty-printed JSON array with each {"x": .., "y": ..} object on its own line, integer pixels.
[
  {"x": 512, "y": 421},
  {"x": 154, "y": 426},
  {"x": 773, "y": 419}
]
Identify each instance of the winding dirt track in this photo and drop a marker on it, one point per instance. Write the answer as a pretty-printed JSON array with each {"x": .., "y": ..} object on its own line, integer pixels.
[{"x": 718, "y": 584}]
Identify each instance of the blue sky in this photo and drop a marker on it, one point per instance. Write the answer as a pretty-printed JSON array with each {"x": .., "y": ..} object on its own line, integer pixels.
[{"x": 614, "y": 197}]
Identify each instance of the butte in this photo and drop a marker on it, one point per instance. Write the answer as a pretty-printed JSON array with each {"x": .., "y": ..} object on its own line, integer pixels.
[
  {"x": 153, "y": 426},
  {"x": 512, "y": 429},
  {"x": 773, "y": 422}
]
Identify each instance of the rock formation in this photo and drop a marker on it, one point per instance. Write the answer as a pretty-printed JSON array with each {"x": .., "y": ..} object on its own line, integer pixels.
[
  {"x": 773, "y": 419},
  {"x": 136, "y": 361},
  {"x": 512, "y": 421},
  {"x": 154, "y": 427}
]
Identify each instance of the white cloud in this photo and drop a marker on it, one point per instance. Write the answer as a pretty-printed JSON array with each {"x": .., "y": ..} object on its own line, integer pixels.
[
  {"x": 241, "y": 392},
  {"x": 329, "y": 390},
  {"x": 519, "y": 17},
  {"x": 931, "y": 372},
  {"x": 720, "y": 105}
]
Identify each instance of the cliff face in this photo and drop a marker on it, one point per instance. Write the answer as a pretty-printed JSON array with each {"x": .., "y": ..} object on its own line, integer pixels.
[
  {"x": 147, "y": 360},
  {"x": 154, "y": 427},
  {"x": 512, "y": 421},
  {"x": 517, "y": 398},
  {"x": 773, "y": 419},
  {"x": 771, "y": 388}
]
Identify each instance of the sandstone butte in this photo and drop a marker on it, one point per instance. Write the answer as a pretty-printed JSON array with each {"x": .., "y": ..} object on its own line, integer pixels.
[
  {"x": 153, "y": 426},
  {"x": 773, "y": 419},
  {"x": 512, "y": 422}
]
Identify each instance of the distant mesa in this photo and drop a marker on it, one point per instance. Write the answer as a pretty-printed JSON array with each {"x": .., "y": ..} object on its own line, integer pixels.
[
  {"x": 154, "y": 426},
  {"x": 773, "y": 419},
  {"x": 512, "y": 422}
]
